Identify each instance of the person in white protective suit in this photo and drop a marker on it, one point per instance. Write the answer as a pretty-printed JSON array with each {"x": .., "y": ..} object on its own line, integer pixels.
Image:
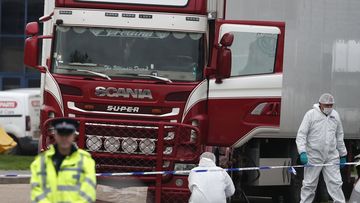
[
  {"x": 209, "y": 187},
  {"x": 320, "y": 140}
]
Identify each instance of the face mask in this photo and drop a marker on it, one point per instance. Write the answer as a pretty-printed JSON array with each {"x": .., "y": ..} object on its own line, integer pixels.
[{"x": 327, "y": 111}]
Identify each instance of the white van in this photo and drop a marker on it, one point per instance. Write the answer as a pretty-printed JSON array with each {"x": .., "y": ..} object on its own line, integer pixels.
[{"x": 20, "y": 117}]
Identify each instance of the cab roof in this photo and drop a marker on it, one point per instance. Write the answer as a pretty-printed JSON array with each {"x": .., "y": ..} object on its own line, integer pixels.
[{"x": 172, "y": 6}]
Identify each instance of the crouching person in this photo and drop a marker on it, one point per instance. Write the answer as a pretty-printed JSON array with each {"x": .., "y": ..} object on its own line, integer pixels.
[
  {"x": 209, "y": 187},
  {"x": 63, "y": 173}
]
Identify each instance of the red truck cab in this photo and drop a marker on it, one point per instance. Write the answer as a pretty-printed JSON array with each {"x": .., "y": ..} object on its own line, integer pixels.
[{"x": 155, "y": 82}]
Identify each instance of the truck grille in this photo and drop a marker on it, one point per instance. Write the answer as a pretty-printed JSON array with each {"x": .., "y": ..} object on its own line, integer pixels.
[
  {"x": 123, "y": 145},
  {"x": 117, "y": 164}
]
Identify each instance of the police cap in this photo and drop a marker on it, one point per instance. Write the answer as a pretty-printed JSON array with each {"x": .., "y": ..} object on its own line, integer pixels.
[{"x": 65, "y": 126}]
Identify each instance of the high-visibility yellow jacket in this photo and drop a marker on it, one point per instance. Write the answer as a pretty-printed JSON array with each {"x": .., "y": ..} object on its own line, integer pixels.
[{"x": 75, "y": 182}]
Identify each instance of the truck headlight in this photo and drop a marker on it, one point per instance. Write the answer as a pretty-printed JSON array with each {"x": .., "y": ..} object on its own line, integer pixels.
[
  {"x": 195, "y": 123},
  {"x": 129, "y": 145},
  {"x": 93, "y": 143},
  {"x": 111, "y": 144},
  {"x": 170, "y": 136},
  {"x": 166, "y": 164},
  {"x": 193, "y": 134},
  {"x": 168, "y": 150},
  {"x": 51, "y": 114},
  {"x": 179, "y": 182},
  {"x": 147, "y": 146}
]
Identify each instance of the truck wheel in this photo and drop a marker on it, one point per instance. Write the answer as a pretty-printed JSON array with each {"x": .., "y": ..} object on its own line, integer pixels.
[{"x": 16, "y": 150}]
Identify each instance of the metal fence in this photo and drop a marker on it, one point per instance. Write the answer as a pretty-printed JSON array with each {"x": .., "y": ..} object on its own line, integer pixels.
[{"x": 130, "y": 146}]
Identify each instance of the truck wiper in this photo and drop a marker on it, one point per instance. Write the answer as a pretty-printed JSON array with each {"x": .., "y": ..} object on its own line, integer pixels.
[
  {"x": 83, "y": 64},
  {"x": 156, "y": 77},
  {"x": 163, "y": 79},
  {"x": 88, "y": 71}
]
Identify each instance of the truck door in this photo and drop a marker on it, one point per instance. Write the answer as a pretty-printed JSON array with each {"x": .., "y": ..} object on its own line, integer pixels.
[{"x": 248, "y": 102}]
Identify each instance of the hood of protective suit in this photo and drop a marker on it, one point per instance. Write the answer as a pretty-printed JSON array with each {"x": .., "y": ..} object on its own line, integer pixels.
[
  {"x": 316, "y": 107},
  {"x": 205, "y": 162}
]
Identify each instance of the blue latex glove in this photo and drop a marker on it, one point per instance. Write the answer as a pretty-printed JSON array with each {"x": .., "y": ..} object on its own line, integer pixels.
[
  {"x": 303, "y": 158},
  {"x": 342, "y": 161}
]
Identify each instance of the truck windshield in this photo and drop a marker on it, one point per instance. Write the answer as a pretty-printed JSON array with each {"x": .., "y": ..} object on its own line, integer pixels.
[{"x": 177, "y": 56}]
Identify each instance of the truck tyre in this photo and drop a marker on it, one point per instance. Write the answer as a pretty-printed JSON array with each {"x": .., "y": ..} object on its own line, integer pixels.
[{"x": 16, "y": 150}]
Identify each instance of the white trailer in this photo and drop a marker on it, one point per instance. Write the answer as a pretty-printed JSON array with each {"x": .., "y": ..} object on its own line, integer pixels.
[{"x": 322, "y": 54}]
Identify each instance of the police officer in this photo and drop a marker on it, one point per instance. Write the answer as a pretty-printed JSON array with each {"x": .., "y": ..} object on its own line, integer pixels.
[{"x": 63, "y": 173}]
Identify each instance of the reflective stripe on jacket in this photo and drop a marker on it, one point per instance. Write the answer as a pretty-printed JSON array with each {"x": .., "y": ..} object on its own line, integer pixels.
[{"x": 75, "y": 181}]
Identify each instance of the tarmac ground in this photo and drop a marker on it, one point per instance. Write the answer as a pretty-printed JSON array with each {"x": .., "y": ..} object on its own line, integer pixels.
[
  {"x": 15, "y": 193},
  {"x": 15, "y": 190}
]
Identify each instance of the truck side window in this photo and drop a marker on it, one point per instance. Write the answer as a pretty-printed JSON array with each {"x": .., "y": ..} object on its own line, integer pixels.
[{"x": 253, "y": 53}]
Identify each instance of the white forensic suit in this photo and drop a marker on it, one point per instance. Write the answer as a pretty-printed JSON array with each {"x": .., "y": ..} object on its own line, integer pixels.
[
  {"x": 210, "y": 187},
  {"x": 355, "y": 195},
  {"x": 322, "y": 138}
]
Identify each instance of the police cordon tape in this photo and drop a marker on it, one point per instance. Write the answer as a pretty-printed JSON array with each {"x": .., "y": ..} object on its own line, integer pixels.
[{"x": 291, "y": 169}]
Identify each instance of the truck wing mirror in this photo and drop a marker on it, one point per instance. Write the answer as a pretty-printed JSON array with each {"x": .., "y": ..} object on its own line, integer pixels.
[
  {"x": 223, "y": 65},
  {"x": 31, "y": 48},
  {"x": 32, "y": 28},
  {"x": 227, "y": 39}
]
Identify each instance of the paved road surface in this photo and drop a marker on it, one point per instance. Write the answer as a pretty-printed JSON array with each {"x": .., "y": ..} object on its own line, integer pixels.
[
  {"x": 15, "y": 193},
  {"x": 20, "y": 193}
]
